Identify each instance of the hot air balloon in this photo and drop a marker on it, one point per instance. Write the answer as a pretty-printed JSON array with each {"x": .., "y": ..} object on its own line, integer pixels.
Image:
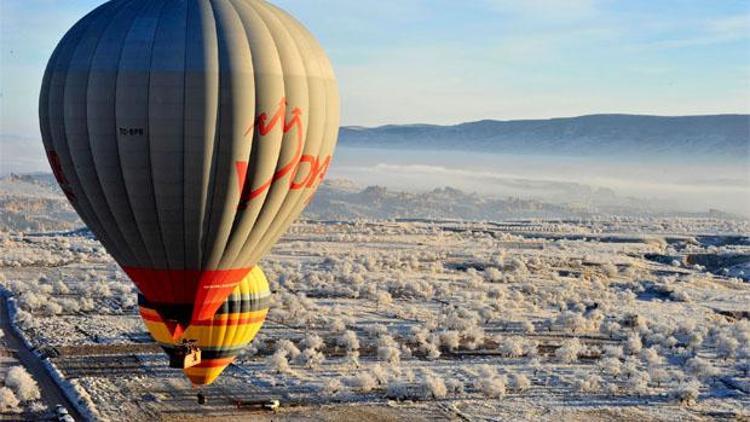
[{"x": 189, "y": 135}]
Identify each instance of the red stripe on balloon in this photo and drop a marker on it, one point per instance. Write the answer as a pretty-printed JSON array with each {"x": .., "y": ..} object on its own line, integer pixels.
[{"x": 206, "y": 290}]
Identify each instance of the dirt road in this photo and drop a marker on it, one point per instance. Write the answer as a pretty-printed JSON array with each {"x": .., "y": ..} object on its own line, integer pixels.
[{"x": 51, "y": 393}]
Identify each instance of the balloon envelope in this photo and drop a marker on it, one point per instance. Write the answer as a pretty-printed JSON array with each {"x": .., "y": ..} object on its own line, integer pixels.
[{"x": 188, "y": 135}]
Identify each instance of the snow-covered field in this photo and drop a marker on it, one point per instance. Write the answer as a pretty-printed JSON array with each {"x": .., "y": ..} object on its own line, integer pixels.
[{"x": 630, "y": 318}]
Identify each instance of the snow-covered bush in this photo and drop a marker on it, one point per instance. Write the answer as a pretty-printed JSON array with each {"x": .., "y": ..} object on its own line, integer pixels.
[
  {"x": 69, "y": 305},
  {"x": 572, "y": 321},
  {"x": 313, "y": 341},
  {"x": 633, "y": 344},
  {"x": 473, "y": 337},
  {"x": 489, "y": 382},
  {"x": 383, "y": 299},
  {"x": 279, "y": 362},
  {"x": 450, "y": 339},
  {"x": 22, "y": 384},
  {"x": 610, "y": 269},
  {"x": 337, "y": 325},
  {"x": 491, "y": 387},
  {"x": 613, "y": 351},
  {"x": 388, "y": 350},
  {"x": 659, "y": 375},
  {"x": 288, "y": 347},
  {"x": 433, "y": 387},
  {"x": 398, "y": 390},
  {"x": 31, "y": 301},
  {"x": 87, "y": 304},
  {"x": 375, "y": 330},
  {"x": 592, "y": 383},
  {"x": 8, "y": 400},
  {"x": 348, "y": 340},
  {"x": 520, "y": 382},
  {"x": 455, "y": 386},
  {"x": 680, "y": 295},
  {"x": 430, "y": 350},
  {"x": 569, "y": 350},
  {"x": 363, "y": 382},
  {"x": 60, "y": 288},
  {"x": 311, "y": 358},
  {"x": 52, "y": 308},
  {"x": 332, "y": 386},
  {"x": 511, "y": 347}
]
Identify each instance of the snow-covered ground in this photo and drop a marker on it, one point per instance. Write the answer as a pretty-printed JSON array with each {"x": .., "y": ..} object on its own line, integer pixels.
[{"x": 524, "y": 320}]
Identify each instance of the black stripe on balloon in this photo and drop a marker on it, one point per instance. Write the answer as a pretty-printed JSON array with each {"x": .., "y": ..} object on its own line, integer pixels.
[{"x": 178, "y": 311}]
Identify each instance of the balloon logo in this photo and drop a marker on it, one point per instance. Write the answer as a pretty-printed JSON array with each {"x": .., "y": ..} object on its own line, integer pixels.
[{"x": 189, "y": 135}]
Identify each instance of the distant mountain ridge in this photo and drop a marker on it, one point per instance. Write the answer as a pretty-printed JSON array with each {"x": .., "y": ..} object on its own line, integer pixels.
[
  {"x": 720, "y": 136},
  {"x": 34, "y": 203}
]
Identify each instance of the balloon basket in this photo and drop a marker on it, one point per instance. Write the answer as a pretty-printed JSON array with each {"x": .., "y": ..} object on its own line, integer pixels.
[{"x": 184, "y": 356}]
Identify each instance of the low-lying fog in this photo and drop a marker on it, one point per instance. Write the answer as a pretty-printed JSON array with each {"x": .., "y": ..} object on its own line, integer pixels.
[{"x": 682, "y": 184}]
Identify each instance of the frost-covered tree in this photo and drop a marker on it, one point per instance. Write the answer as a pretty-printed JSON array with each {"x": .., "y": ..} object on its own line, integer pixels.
[
  {"x": 659, "y": 375},
  {"x": 651, "y": 356},
  {"x": 637, "y": 382},
  {"x": 633, "y": 344},
  {"x": 726, "y": 345},
  {"x": 687, "y": 393},
  {"x": 348, "y": 340},
  {"x": 610, "y": 366},
  {"x": 701, "y": 367}
]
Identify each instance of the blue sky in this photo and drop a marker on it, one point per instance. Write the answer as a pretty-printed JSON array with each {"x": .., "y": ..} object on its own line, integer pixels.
[{"x": 447, "y": 61}]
